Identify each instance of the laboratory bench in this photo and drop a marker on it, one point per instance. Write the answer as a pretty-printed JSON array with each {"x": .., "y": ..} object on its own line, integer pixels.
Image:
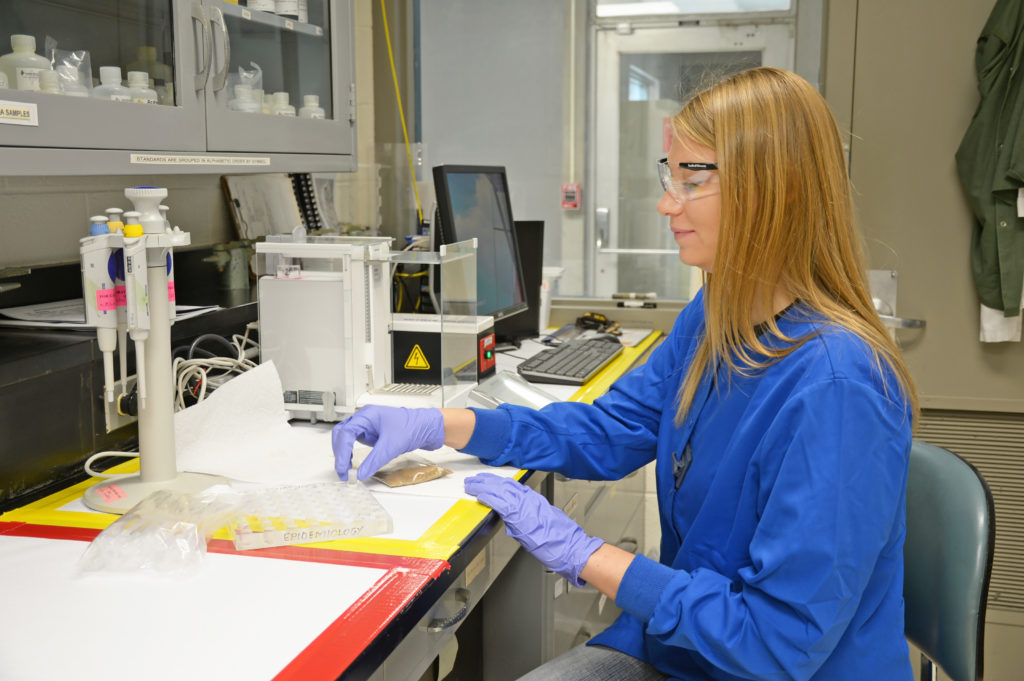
[{"x": 284, "y": 613}]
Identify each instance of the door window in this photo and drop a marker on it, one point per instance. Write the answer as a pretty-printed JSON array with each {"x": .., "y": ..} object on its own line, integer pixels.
[{"x": 643, "y": 76}]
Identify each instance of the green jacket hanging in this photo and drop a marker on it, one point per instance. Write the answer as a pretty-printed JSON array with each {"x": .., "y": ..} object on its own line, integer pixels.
[{"x": 990, "y": 160}]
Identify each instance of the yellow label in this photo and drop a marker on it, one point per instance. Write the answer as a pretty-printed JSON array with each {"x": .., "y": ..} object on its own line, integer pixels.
[
  {"x": 18, "y": 113},
  {"x": 417, "y": 360}
]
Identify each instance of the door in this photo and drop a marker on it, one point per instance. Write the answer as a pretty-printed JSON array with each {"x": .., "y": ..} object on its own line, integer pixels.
[
  {"x": 642, "y": 75},
  {"x": 308, "y": 54},
  {"x": 161, "y": 39}
]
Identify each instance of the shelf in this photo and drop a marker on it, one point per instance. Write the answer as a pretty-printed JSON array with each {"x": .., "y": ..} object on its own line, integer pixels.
[{"x": 267, "y": 19}]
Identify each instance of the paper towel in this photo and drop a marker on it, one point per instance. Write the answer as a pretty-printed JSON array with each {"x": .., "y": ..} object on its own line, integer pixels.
[{"x": 241, "y": 431}]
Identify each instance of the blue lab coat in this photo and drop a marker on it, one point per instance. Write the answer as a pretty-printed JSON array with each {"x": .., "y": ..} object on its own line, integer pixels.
[{"x": 782, "y": 546}]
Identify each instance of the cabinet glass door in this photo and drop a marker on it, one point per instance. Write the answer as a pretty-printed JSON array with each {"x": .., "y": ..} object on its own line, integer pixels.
[
  {"x": 275, "y": 82},
  {"x": 101, "y": 74}
]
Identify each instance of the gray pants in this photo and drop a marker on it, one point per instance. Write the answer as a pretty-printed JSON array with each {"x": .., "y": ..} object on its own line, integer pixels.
[{"x": 594, "y": 663}]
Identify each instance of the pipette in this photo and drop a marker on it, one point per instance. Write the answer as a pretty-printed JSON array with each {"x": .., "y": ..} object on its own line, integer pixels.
[
  {"x": 98, "y": 251},
  {"x": 115, "y": 226},
  {"x": 137, "y": 295}
]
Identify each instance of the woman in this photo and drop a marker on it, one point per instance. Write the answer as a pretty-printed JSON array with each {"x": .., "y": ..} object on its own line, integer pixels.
[{"x": 778, "y": 410}]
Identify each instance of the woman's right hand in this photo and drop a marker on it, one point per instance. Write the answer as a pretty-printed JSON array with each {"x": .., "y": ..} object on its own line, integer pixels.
[{"x": 391, "y": 431}]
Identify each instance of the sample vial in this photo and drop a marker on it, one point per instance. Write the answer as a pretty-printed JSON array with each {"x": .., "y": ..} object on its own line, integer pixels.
[
  {"x": 71, "y": 81},
  {"x": 138, "y": 88},
  {"x": 311, "y": 107},
  {"x": 110, "y": 85},
  {"x": 22, "y": 65}
]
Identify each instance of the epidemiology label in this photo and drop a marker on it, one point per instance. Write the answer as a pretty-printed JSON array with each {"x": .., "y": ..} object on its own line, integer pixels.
[
  {"x": 198, "y": 160},
  {"x": 18, "y": 113}
]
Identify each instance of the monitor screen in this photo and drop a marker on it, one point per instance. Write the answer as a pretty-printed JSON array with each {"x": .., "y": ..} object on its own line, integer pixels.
[{"x": 473, "y": 202}]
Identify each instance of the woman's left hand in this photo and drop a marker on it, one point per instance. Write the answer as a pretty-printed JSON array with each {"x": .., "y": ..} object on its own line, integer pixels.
[{"x": 544, "y": 530}]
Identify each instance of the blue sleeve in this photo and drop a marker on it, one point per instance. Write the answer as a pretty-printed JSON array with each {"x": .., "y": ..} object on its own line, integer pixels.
[
  {"x": 831, "y": 486},
  {"x": 605, "y": 440}
]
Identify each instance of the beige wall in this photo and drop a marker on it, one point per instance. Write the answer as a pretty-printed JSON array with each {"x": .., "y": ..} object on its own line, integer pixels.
[{"x": 901, "y": 76}]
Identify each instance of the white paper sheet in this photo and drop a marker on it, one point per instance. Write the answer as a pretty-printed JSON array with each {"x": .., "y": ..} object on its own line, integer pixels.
[
  {"x": 241, "y": 431},
  {"x": 240, "y": 617}
]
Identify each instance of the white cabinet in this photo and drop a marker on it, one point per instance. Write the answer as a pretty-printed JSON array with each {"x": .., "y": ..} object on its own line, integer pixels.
[{"x": 195, "y": 52}]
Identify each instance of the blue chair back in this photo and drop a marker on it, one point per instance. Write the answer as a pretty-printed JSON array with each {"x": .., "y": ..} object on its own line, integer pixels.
[{"x": 948, "y": 561}]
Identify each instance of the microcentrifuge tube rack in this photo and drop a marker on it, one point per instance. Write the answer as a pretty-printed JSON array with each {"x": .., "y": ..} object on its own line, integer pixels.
[{"x": 303, "y": 514}]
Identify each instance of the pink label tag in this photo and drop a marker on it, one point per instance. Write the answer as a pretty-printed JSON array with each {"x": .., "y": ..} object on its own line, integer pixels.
[
  {"x": 121, "y": 296},
  {"x": 111, "y": 493},
  {"x": 170, "y": 291},
  {"x": 106, "y": 300}
]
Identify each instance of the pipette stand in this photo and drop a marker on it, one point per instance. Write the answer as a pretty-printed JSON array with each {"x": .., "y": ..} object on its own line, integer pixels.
[{"x": 157, "y": 467}]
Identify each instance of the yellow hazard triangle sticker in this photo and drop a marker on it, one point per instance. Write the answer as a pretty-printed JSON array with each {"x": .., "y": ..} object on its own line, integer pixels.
[{"x": 417, "y": 360}]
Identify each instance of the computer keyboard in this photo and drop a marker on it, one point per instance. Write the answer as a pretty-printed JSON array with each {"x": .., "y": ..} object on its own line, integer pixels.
[{"x": 573, "y": 362}]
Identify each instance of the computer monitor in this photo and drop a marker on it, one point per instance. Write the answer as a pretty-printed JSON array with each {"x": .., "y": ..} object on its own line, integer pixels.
[{"x": 473, "y": 202}]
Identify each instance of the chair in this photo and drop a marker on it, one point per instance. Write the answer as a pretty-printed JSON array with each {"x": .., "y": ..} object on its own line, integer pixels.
[{"x": 948, "y": 562}]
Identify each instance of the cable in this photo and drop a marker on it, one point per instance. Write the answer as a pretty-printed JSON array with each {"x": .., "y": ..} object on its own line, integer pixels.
[
  {"x": 401, "y": 111},
  {"x": 211, "y": 337},
  {"x": 195, "y": 377},
  {"x": 400, "y": 291},
  {"x": 109, "y": 476}
]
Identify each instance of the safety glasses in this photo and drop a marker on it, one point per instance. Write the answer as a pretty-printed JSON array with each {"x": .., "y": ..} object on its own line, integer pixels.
[{"x": 699, "y": 183}]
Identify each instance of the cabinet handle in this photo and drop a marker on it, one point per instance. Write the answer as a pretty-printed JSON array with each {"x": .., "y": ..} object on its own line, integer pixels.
[
  {"x": 221, "y": 77},
  {"x": 440, "y": 624},
  {"x": 206, "y": 43}
]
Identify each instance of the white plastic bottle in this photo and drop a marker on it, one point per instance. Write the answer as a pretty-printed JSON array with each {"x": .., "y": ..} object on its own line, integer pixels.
[
  {"x": 138, "y": 88},
  {"x": 311, "y": 107},
  {"x": 281, "y": 105},
  {"x": 110, "y": 85},
  {"x": 262, "y": 5},
  {"x": 49, "y": 82},
  {"x": 161, "y": 74},
  {"x": 22, "y": 66},
  {"x": 71, "y": 81},
  {"x": 244, "y": 100},
  {"x": 3, "y": 80}
]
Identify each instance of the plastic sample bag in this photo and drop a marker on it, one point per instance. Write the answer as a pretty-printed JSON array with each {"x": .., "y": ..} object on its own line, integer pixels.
[
  {"x": 410, "y": 470},
  {"x": 166, "y": 533}
]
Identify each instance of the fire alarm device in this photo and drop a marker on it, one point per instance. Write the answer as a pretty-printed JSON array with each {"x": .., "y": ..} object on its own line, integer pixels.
[{"x": 571, "y": 196}]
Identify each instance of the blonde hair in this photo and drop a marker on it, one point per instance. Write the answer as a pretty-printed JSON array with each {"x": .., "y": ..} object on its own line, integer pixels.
[{"x": 786, "y": 221}]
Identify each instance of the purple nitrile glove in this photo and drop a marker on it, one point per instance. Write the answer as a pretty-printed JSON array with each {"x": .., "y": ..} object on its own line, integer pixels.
[
  {"x": 391, "y": 431},
  {"x": 544, "y": 530}
]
